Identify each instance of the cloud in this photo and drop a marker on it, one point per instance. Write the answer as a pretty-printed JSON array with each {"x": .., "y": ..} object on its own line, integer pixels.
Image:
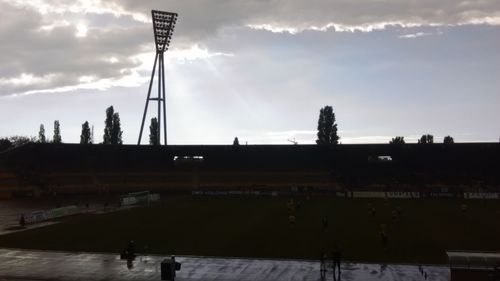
[
  {"x": 41, "y": 55},
  {"x": 199, "y": 18},
  {"x": 414, "y": 35},
  {"x": 194, "y": 53},
  {"x": 55, "y": 49},
  {"x": 51, "y": 45}
]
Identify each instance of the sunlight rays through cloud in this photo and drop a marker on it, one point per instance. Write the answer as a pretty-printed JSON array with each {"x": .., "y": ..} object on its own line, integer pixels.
[{"x": 135, "y": 77}]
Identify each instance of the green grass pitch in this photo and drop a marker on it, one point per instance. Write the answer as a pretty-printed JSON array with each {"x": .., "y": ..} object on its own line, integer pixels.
[{"x": 259, "y": 227}]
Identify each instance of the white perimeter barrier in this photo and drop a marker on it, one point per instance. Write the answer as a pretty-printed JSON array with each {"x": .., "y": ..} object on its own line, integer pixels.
[
  {"x": 234, "y": 192},
  {"x": 364, "y": 194},
  {"x": 38, "y": 216},
  {"x": 380, "y": 194},
  {"x": 132, "y": 200},
  {"x": 368, "y": 194},
  {"x": 481, "y": 195},
  {"x": 403, "y": 195}
]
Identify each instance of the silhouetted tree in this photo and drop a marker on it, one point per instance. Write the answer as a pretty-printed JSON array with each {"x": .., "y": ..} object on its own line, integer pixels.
[
  {"x": 448, "y": 140},
  {"x": 112, "y": 128},
  {"x": 5, "y": 143},
  {"x": 426, "y": 139},
  {"x": 397, "y": 140},
  {"x": 154, "y": 137},
  {"x": 41, "y": 134},
  {"x": 236, "y": 141},
  {"x": 85, "y": 137},
  {"x": 327, "y": 128},
  {"x": 21, "y": 140},
  {"x": 108, "y": 125},
  {"x": 116, "y": 130},
  {"x": 57, "y": 132}
]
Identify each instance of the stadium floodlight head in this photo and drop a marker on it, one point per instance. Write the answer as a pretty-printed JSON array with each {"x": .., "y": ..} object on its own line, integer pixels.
[{"x": 163, "y": 26}]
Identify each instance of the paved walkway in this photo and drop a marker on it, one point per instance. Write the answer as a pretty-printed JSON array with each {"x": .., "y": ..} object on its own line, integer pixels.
[{"x": 57, "y": 266}]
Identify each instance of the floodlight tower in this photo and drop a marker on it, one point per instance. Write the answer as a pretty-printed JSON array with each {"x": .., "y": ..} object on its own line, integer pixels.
[{"x": 163, "y": 27}]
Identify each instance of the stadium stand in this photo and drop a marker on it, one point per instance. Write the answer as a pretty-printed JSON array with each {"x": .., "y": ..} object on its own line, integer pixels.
[{"x": 35, "y": 169}]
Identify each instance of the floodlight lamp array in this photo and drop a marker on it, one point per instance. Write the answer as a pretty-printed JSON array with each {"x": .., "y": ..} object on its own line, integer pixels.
[{"x": 163, "y": 26}]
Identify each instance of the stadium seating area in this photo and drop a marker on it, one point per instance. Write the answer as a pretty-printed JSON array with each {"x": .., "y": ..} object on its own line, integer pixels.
[{"x": 70, "y": 168}]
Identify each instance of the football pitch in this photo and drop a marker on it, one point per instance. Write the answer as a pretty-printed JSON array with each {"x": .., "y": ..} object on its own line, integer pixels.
[{"x": 260, "y": 227}]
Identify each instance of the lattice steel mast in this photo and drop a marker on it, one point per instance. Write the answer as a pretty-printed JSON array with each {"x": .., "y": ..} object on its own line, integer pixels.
[{"x": 163, "y": 27}]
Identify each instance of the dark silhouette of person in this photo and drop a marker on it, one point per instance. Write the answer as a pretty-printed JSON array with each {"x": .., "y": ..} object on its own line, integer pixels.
[
  {"x": 173, "y": 267},
  {"x": 336, "y": 260},
  {"x": 399, "y": 211},
  {"x": 464, "y": 208},
  {"x": 383, "y": 267},
  {"x": 22, "y": 221},
  {"x": 130, "y": 250},
  {"x": 385, "y": 239},
  {"x": 322, "y": 266},
  {"x": 325, "y": 223},
  {"x": 394, "y": 215},
  {"x": 130, "y": 263}
]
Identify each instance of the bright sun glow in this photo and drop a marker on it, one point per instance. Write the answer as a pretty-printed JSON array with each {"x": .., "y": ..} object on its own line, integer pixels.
[
  {"x": 25, "y": 79},
  {"x": 81, "y": 30},
  {"x": 86, "y": 78}
]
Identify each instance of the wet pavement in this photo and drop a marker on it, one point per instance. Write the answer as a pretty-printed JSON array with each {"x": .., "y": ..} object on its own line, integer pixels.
[{"x": 48, "y": 265}]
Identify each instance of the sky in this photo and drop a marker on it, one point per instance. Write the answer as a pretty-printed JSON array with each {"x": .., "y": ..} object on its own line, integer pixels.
[{"x": 259, "y": 70}]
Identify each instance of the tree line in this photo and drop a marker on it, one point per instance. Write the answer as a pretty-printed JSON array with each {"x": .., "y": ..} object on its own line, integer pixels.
[
  {"x": 327, "y": 131},
  {"x": 112, "y": 133},
  {"x": 112, "y": 130},
  {"x": 424, "y": 139}
]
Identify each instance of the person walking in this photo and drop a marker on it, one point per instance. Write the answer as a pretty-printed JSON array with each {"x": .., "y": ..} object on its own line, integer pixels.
[
  {"x": 22, "y": 221},
  {"x": 336, "y": 257},
  {"x": 383, "y": 236},
  {"x": 385, "y": 239},
  {"x": 325, "y": 223},
  {"x": 130, "y": 250},
  {"x": 322, "y": 266}
]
